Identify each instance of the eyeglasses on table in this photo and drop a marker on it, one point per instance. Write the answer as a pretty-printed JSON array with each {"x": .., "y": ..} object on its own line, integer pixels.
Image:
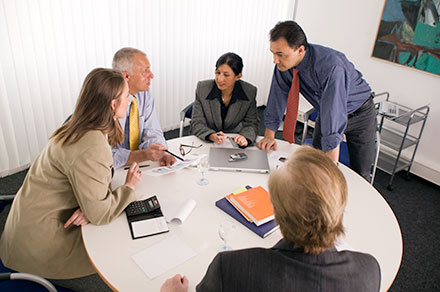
[{"x": 191, "y": 147}]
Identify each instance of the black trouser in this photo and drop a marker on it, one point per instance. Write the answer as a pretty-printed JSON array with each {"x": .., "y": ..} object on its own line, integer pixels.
[{"x": 361, "y": 137}]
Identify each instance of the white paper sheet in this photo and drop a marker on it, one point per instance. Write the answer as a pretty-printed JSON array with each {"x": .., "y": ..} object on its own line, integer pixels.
[
  {"x": 163, "y": 256},
  {"x": 169, "y": 169},
  {"x": 149, "y": 226},
  {"x": 229, "y": 143},
  {"x": 177, "y": 211}
]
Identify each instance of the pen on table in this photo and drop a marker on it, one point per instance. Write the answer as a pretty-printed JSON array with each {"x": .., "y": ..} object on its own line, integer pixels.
[
  {"x": 180, "y": 158},
  {"x": 145, "y": 165}
]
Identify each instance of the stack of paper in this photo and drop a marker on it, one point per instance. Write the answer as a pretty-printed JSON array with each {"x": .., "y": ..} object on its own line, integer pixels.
[
  {"x": 255, "y": 203},
  {"x": 252, "y": 208}
]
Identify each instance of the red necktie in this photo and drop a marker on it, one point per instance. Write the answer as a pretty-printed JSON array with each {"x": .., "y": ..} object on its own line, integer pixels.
[{"x": 292, "y": 109}]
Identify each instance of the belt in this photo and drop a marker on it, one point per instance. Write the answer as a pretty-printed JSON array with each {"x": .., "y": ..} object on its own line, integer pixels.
[{"x": 362, "y": 107}]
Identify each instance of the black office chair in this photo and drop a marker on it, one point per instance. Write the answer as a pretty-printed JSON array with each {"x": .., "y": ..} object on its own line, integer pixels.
[
  {"x": 186, "y": 113},
  {"x": 309, "y": 117}
]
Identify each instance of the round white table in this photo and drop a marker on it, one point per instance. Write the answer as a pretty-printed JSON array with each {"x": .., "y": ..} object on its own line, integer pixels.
[{"x": 370, "y": 224}]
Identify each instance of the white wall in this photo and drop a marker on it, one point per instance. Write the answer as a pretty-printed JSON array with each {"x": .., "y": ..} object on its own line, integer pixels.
[
  {"x": 47, "y": 47},
  {"x": 351, "y": 26}
]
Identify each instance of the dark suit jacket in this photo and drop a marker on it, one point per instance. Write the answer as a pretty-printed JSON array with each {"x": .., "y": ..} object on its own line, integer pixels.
[
  {"x": 241, "y": 117},
  {"x": 284, "y": 268}
]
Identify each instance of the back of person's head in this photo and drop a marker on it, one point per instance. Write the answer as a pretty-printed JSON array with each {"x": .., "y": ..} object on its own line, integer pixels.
[
  {"x": 291, "y": 31},
  {"x": 232, "y": 60},
  {"x": 309, "y": 195},
  {"x": 93, "y": 108},
  {"x": 123, "y": 59}
]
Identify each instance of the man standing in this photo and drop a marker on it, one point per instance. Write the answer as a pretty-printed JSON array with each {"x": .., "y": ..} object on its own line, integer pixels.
[
  {"x": 144, "y": 138},
  {"x": 330, "y": 82}
]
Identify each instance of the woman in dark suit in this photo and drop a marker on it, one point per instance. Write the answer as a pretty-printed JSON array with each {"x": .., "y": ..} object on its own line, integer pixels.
[{"x": 225, "y": 105}]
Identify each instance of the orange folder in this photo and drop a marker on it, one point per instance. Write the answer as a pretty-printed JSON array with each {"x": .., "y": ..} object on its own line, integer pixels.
[{"x": 255, "y": 203}]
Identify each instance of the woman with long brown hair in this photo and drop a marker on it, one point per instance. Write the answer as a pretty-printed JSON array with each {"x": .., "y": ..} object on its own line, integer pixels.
[{"x": 71, "y": 175}]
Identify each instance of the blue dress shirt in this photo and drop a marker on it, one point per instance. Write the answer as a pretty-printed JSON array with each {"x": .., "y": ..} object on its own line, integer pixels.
[
  {"x": 330, "y": 82},
  {"x": 149, "y": 129}
]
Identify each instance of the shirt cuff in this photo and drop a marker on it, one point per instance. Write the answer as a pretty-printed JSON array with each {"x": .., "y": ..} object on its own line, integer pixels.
[
  {"x": 146, "y": 144},
  {"x": 272, "y": 126},
  {"x": 331, "y": 142}
]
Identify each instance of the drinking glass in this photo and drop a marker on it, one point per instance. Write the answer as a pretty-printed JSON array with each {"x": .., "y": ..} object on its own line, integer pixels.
[
  {"x": 225, "y": 231},
  {"x": 203, "y": 166}
]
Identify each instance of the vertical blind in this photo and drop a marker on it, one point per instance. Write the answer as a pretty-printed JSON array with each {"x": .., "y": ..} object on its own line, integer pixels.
[{"x": 47, "y": 47}]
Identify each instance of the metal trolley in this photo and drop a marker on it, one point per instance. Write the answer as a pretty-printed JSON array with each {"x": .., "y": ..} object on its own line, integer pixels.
[{"x": 396, "y": 136}]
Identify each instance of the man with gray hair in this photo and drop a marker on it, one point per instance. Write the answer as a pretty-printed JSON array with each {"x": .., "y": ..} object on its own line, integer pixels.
[{"x": 143, "y": 137}]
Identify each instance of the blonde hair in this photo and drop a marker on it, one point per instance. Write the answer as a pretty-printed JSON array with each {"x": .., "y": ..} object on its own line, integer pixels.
[
  {"x": 93, "y": 108},
  {"x": 309, "y": 195}
]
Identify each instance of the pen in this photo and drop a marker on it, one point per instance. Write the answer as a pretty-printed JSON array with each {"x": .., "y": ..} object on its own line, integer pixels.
[
  {"x": 180, "y": 158},
  {"x": 128, "y": 167}
]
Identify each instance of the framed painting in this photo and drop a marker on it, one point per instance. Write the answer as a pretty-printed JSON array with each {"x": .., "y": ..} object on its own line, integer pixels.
[{"x": 409, "y": 34}]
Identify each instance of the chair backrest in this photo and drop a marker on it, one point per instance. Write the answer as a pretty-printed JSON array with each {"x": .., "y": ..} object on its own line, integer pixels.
[
  {"x": 312, "y": 114},
  {"x": 185, "y": 113},
  {"x": 26, "y": 286}
]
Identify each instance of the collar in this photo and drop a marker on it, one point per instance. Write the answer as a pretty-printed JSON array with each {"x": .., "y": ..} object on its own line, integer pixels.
[
  {"x": 131, "y": 97},
  {"x": 305, "y": 61},
  {"x": 123, "y": 120},
  {"x": 237, "y": 94},
  {"x": 284, "y": 245}
]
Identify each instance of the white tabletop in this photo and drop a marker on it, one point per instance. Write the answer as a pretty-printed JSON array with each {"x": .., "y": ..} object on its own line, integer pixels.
[{"x": 370, "y": 224}]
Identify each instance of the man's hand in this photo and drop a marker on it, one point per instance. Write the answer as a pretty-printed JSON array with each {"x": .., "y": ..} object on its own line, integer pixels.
[
  {"x": 77, "y": 219},
  {"x": 218, "y": 138},
  {"x": 155, "y": 151},
  {"x": 175, "y": 284},
  {"x": 241, "y": 140},
  {"x": 268, "y": 141},
  {"x": 167, "y": 160}
]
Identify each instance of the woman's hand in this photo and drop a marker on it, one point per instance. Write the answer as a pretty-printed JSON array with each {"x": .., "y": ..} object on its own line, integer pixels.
[
  {"x": 218, "y": 138},
  {"x": 241, "y": 140},
  {"x": 134, "y": 176},
  {"x": 77, "y": 219}
]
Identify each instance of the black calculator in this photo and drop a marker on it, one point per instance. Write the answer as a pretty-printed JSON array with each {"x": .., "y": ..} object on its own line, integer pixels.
[{"x": 142, "y": 207}]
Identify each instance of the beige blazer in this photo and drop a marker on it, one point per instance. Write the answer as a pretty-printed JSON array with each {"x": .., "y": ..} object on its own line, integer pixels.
[{"x": 60, "y": 180}]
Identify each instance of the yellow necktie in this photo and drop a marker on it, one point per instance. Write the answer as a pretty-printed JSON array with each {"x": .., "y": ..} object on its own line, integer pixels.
[{"x": 134, "y": 125}]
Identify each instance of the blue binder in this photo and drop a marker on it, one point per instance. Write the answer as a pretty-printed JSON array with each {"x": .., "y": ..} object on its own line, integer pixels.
[{"x": 262, "y": 230}]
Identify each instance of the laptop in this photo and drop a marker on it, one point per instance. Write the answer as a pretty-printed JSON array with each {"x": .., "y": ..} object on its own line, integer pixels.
[{"x": 224, "y": 159}]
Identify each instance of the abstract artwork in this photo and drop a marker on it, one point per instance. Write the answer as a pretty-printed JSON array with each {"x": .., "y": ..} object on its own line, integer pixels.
[{"x": 409, "y": 34}]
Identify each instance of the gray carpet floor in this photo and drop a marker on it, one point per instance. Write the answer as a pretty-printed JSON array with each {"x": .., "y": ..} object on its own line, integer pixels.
[{"x": 415, "y": 202}]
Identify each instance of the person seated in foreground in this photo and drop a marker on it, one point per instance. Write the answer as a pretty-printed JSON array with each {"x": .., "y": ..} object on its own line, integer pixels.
[
  {"x": 225, "y": 104},
  {"x": 309, "y": 195},
  {"x": 143, "y": 137},
  {"x": 72, "y": 174}
]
